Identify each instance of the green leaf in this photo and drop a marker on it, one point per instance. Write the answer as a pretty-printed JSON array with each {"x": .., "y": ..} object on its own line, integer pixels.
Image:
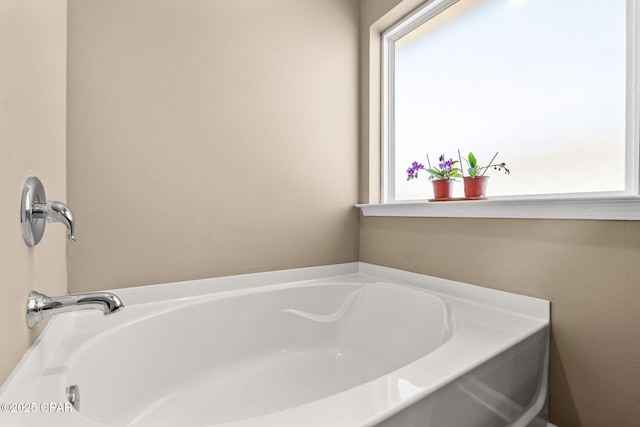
[{"x": 472, "y": 160}]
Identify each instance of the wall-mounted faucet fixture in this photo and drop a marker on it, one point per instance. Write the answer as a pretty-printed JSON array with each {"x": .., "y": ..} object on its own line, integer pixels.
[
  {"x": 40, "y": 306},
  {"x": 35, "y": 212}
]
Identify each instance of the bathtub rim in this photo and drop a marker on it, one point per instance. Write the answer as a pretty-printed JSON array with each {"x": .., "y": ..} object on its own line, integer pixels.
[{"x": 497, "y": 299}]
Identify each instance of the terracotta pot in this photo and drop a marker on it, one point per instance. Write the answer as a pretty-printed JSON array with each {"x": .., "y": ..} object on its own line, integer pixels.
[
  {"x": 475, "y": 187},
  {"x": 442, "y": 188}
]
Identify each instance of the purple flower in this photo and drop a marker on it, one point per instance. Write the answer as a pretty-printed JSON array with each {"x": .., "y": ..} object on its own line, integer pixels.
[
  {"x": 445, "y": 165},
  {"x": 445, "y": 170},
  {"x": 412, "y": 172}
]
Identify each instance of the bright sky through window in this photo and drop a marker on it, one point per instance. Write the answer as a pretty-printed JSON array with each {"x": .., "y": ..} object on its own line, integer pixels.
[{"x": 541, "y": 81}]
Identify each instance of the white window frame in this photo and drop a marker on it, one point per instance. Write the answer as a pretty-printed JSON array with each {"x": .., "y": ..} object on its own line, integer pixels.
[{"x": 622, "y": 205}]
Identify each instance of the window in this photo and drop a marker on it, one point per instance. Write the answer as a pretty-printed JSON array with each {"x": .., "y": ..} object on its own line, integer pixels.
[{"x": 544, "y": 83}]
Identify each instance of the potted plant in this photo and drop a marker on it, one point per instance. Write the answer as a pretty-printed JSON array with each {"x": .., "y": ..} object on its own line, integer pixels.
[
  {"x": 441, "y": 176},
  {"x": 475, "y": 185}
]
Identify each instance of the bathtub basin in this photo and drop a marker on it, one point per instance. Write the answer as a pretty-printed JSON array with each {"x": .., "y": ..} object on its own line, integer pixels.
[{"x": 347, "y": 345}]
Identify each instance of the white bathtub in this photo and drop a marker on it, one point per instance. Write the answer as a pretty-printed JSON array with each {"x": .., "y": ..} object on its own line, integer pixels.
[{"x": 347, "y": 345}]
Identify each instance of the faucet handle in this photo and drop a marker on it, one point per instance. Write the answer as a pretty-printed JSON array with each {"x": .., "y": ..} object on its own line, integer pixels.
[
  {"x": 59, "y": 212},
  {"x": 35, "y": 212}
]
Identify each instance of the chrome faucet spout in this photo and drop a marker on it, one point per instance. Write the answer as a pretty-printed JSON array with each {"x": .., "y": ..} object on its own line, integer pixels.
[{"x": 40, "y": 306}]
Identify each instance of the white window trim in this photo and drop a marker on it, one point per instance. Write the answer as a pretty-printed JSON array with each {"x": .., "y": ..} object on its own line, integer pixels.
[
  {"x": 618, "y": 206},
  {"x": 602, "y": 208}
]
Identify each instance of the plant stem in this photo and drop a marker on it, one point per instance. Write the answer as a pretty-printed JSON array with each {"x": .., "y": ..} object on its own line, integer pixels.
[
  {"x": 490, "y": 163},
  {"x": 461, "y": 167},
  {"x": 428, "y": 162}
]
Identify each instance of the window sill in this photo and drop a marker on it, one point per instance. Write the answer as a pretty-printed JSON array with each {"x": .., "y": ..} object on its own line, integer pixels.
[{"x": 603, "y": 208}]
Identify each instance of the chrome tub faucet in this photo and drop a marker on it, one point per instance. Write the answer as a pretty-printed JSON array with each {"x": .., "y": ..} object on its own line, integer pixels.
[
  {"x": 40, "y": 306},
  {"x": 35, "y": 212}
]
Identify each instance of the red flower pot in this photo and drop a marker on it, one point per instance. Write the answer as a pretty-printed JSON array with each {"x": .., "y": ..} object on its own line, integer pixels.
[
  {"x": 475, "y": 187},
  {"x": 442, "y": 188}
]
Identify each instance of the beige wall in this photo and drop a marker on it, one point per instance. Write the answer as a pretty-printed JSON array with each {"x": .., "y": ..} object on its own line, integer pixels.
[
  {"x": 589, "y": 270},
  {"x": 32, "y": 142},
  {"x": 209, "y": 138}
]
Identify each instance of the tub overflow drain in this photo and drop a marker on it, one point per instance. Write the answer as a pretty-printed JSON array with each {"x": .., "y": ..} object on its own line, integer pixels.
[{"x": 73, "y": 396}]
